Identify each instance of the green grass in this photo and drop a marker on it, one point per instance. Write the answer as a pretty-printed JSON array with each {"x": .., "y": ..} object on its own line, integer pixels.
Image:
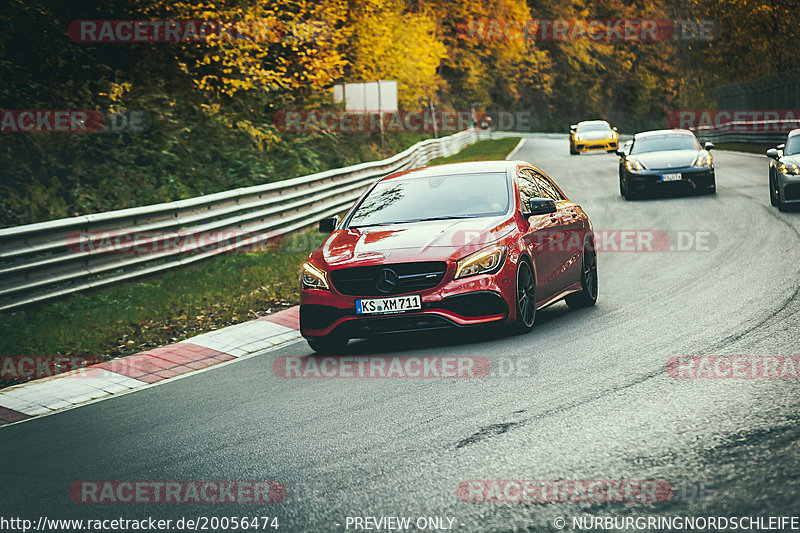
[
  {"x": 489, "y": 150},
  {"x": 133, "y": 316}
]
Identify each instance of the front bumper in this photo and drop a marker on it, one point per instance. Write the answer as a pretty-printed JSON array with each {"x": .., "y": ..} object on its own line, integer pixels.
[
  {"x": 472, "y": 301},
  {"x": 692, "y": 179},
  {"x": 789, "y": 187},
  {"x": 600, "y": 144}
]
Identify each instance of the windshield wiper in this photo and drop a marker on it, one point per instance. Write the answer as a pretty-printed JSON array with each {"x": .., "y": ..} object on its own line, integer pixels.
[
  {"x": 449, "y": 217},
  {"x": 371, "y": 225}
]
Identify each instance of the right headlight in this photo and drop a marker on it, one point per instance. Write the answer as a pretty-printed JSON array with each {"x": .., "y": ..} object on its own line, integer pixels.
[
  {"x": 790, "y": 170},
  {"x": 703, "y": 160},
  {"x": 314, "y": 278},
  {"x": 633, "y": 165},
  {"x": 481, "y": 262}
]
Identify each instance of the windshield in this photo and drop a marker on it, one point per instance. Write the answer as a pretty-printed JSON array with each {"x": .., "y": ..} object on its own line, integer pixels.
[
  {"x": 597, "y": 126},
  {"x": 434, "y": 198},
  {"x": 792, "y": 146},
  {"x": 668, "y": 141}
]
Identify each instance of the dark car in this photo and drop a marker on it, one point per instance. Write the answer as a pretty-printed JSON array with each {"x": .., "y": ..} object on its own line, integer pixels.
[
  {"x": 784, "y": 172},
  {"x": 450, "y": 246},
  {"x": 666, "y": 161}
]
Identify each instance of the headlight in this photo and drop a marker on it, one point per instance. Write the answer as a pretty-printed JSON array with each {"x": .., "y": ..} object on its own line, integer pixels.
[
  {"x": 703, "y": 160},
  {"x": 313, "y": 278},
  {"x": 612, "y": 135},
  {"x": 579, "y": 138},
  {"x": 790, "y": 170},
  {"x": 481, "y": 262},
  {"x": 633, "y": 165}
]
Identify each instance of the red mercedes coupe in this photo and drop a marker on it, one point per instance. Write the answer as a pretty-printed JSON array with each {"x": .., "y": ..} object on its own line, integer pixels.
[{"x": 448, "y": 246}]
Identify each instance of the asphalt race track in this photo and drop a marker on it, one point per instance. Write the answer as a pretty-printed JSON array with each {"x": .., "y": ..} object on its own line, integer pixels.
[{"x": 585, "y": 396}]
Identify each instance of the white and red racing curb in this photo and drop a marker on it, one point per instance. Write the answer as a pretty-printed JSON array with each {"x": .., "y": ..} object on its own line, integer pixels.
[{"x": 122, "y": 375}]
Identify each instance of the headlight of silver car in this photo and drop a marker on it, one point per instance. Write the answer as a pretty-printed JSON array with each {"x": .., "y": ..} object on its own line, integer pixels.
[
  {"x": 703, "y": 160},
  {"x": 633, "y": 165},
  {"x": 481, "y": 262},
  {"x": 790, "y": 170}
]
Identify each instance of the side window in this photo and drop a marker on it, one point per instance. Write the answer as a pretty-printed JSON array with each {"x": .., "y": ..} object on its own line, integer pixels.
[
  {"x": 527, "y": 189},
  {"x": 548, "y": 189}
]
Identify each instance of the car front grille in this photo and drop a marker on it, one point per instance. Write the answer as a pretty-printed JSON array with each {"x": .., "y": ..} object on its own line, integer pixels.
[
  {"x": 791, "y": 192},
  {"x": 387, "y": 280}
]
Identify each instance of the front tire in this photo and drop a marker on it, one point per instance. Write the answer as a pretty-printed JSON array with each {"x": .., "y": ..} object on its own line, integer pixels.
[
  {"x": 589, "y": 283},
  {"x": 525, "y": 296},
  {"x": 773, "y": 192},
  {"x": 332, "y": 344}
]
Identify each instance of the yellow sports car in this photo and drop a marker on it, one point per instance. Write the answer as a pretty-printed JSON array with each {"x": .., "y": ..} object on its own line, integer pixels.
[{"x": 592, "y": 135}]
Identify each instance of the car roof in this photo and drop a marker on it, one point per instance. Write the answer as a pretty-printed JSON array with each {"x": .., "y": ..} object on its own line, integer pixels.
[
  {"x": 471, "y": 167},
  {"x": 661, "y": 132},
  {"x": 593, "y": 122}
]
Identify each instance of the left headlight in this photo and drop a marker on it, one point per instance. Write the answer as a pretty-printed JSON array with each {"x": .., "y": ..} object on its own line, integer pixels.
[
  {"x": 314, "y": 278},
  {"x": 633, "y": 165},
  {"x": 703, "y": 160},
  {"x": 579, "y": 138},
  {"x": 790, "y": 170},
  {"x": 481, "y": 262},
  {"x": 612, "y": 135}
]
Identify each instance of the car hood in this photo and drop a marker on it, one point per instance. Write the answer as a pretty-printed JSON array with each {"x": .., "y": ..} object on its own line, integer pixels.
[
  {"x": 789, "y": 159},
  {"x": 667, "y": 159},
  {"x": 594, "y": 135},
  {"x": 437, "y": 240}
]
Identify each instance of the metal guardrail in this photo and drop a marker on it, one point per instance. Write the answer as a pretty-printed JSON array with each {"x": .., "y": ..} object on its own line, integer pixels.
[
  {"x": 772, "y": 132},
  {"x": 51, "y": 259}
]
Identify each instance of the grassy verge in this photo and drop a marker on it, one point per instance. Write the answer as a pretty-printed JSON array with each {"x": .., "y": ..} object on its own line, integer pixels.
[
  {"x": 133, "y": 316},
  {"x": 489, "y": 150}
]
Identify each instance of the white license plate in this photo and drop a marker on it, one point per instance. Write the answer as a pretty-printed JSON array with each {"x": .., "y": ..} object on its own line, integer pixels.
[
  {"x": 398, "y": 304},
  {"x": 671, "y": 177}
]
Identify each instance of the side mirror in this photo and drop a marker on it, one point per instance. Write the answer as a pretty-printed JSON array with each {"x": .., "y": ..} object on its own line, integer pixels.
[
  {"x": 620, "y": 152},
  {"x": 781, "y": 146},
  {"x": 573, "y": 127},
  {"x": 772, "y": 153},
  {"x": 709, "y": 146},
  {"x": 541, "y": 206},
  {"x": 615, "y": 129},
  {"x": 327, "y": 225}
]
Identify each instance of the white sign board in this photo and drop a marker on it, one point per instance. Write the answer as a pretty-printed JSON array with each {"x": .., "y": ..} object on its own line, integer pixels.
[{"x": 370, "y": 97}]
